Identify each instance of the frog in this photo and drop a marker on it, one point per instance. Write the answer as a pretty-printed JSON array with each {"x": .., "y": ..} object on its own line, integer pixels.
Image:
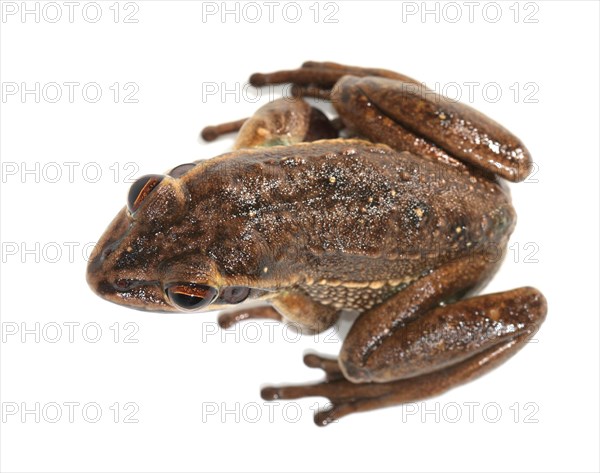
[{"x": 397, "y": 210}]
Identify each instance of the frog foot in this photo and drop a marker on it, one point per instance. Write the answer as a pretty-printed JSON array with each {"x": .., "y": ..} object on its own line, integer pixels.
[
  {"x": 316, "y": 79},
  {"x": 345, "y": 396}
]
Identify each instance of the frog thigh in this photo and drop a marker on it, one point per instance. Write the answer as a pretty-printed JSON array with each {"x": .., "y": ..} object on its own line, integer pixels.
[{"x": 412, "y": 334}]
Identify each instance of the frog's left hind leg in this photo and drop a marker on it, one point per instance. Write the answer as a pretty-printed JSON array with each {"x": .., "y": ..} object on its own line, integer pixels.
[{"x": 452, "y": 345}]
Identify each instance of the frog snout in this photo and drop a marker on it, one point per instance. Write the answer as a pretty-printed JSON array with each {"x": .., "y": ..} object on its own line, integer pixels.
[
  {"x": 118, "y": 288},
  {"x": 97, "y": 276},
  {"x": 100, "y": 265}
]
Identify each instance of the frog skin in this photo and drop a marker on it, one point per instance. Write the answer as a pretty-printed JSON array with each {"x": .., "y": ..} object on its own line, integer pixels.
[{"x": 403, "y": 221}]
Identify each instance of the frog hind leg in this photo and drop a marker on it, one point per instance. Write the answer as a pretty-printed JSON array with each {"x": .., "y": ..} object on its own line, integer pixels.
[
  {"x": 413, "y": 118},
  {"x": 387, "y": 107},
  {"x": 411, "y": 348}
]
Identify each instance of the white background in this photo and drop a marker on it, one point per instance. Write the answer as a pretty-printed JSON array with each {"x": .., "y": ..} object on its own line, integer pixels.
[{"x": 538, "y": 412}]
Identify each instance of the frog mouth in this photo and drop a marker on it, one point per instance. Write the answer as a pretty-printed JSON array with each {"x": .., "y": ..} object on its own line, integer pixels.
[{"x": 147, "y": 296}]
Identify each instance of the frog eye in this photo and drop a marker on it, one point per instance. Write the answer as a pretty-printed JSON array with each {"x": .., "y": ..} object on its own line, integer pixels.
[
  {"x": 140, "y": 189},
  {"x": 180, "y": 170},
  {"x": 234, "y": 294},
  {"x": 189, "y": 296}
]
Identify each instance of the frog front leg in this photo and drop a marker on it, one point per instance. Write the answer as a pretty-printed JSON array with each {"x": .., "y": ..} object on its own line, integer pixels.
[
  {"x": 284, "y": 121},
  {"x": 230, "y": 318},
  {"x": 411, "y": 348},
  {"x": 292, "y": 306},
  {"x": 387, "y": 107}
]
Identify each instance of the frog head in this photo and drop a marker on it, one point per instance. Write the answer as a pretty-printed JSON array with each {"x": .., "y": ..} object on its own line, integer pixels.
[{"x": 155, "y": 255}]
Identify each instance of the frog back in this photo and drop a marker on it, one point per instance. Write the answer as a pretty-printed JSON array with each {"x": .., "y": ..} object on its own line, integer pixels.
[{"x": 342, "y": 210}]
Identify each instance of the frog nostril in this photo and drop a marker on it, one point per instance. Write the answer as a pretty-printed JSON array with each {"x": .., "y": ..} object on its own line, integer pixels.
[
  {"x": 109, "y": 249},
  {"x": 98, "y": 257}
]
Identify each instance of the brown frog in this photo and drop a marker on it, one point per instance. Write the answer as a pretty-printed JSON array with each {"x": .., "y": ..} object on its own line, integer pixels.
[{"x": 402, "y": 222}]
